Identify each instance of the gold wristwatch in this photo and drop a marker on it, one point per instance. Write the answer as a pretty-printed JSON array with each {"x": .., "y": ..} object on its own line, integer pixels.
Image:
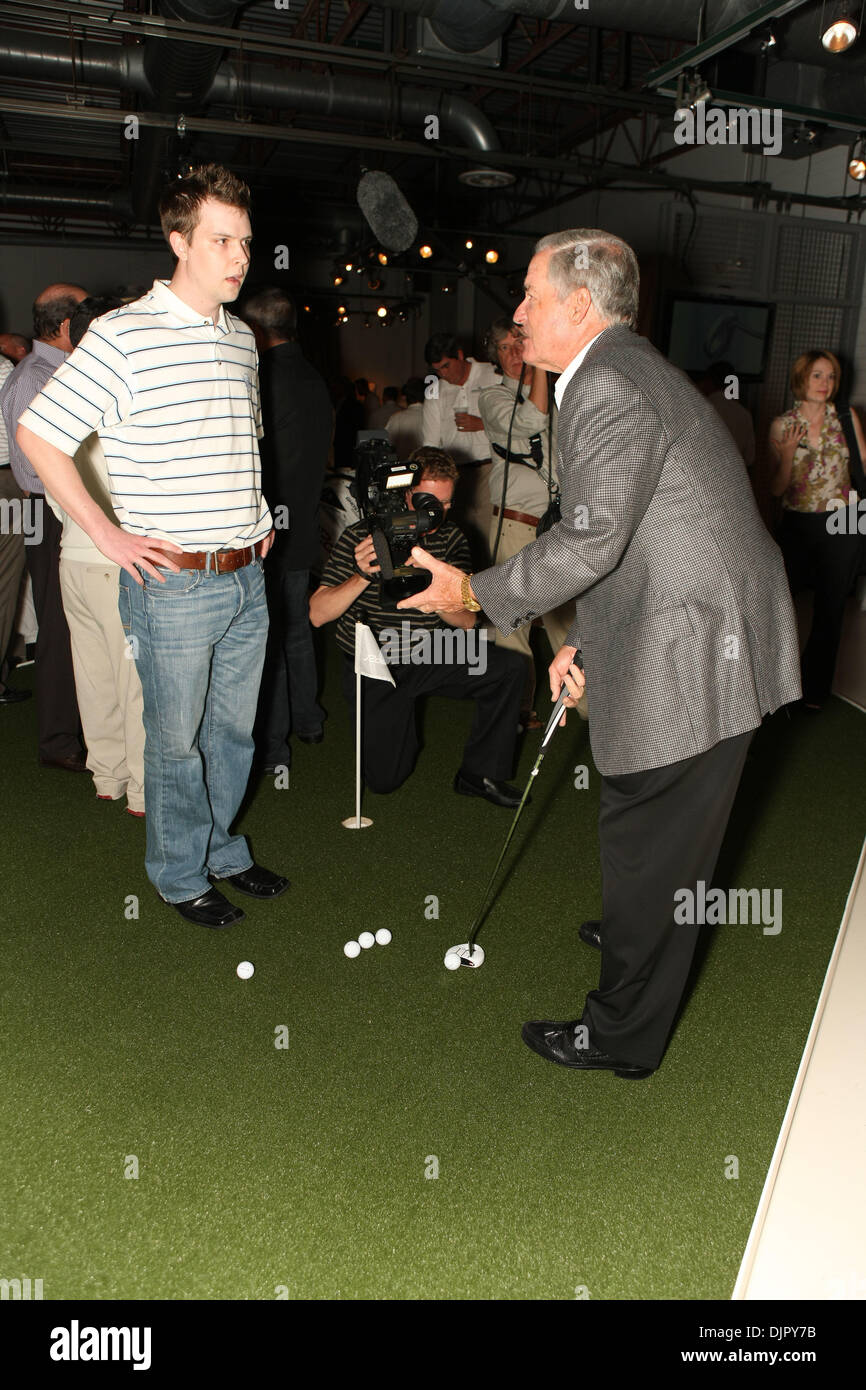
[{"x": 468, "y": 599}]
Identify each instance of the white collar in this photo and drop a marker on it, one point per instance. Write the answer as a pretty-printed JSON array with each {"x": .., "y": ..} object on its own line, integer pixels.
[
  {"x": 166, "y": 297},
  {"x": 565, "y": 377}
]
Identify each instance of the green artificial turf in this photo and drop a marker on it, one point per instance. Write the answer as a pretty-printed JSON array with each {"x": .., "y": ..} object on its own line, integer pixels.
[{"x": 302, "y": 1169}]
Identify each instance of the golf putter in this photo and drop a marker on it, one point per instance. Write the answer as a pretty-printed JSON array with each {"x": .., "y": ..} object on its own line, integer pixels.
[{"x": 470, "y": 954}]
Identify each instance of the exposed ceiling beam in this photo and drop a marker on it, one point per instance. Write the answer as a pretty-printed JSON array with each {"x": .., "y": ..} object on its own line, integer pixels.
[
  {"x": 725, "y": 38},
  {"x": 358, "y": 9}
]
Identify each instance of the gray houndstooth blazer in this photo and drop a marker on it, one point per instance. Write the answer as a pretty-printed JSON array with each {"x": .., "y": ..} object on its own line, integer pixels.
[{"x": 684, "y": 615}]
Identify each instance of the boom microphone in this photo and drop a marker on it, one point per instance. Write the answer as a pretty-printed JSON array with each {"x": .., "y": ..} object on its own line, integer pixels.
[{"x": 389, "y": 216}]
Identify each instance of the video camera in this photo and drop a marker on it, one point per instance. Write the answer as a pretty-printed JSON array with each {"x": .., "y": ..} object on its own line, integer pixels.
[{"x": 380, "y": 485}]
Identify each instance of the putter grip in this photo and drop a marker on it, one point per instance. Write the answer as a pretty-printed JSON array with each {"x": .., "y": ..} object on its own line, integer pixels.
[{"x": 553, "y": 722}]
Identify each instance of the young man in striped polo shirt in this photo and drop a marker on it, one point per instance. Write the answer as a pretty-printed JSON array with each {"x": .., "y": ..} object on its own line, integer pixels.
[{"x": 170, "y": 385}]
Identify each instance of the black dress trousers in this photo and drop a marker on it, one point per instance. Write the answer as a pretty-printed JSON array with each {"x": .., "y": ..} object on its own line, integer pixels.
[
  {"x": 57, "y": 717},
  {"x": 389, "y": 728},
  {"x": 659, "y": 831}
]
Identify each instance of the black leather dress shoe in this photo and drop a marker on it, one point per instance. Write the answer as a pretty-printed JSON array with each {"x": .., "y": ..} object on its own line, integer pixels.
[
  {"x": 500, "y": 793},
  {"x": 590, "y": 932},
  {"x": 66, "y": 764},
  {"x": 312, "y": 738},
  {"x": 211, "y": 909},
  {"x": 14, "y": 697},
  {"x": 559, "y": 1042},
  {"x": 257, "y": 882}
]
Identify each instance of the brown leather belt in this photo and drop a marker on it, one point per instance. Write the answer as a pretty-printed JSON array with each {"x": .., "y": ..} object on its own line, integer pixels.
[
  {"x": 219, "y": 561},
  {"x": 518, "y": 516}
]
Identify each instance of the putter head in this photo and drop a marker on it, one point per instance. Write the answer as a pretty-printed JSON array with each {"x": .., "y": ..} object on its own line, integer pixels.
[{"x": 470, "y": 961}]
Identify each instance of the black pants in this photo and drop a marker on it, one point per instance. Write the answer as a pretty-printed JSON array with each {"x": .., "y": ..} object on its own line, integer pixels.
[
  {"x": 389, "y": 725},
  {"x": 11, "y": 570},
  {"x": 57, "y": 718},
  {"x": 659, "y": 831},
  {"x": 287, "y": 698},
  {"x": 827, "y": 563}
]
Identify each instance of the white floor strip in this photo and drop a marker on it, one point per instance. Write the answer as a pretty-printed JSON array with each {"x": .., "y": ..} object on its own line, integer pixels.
[{"x": 808, "y": 1239}]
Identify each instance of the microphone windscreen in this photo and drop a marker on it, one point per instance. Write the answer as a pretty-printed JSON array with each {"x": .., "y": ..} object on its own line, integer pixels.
[{"x": 389, "y": 216}]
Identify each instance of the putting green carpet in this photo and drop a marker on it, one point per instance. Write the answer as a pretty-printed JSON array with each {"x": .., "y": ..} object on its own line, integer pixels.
[{"x": 403, "y": 1143}]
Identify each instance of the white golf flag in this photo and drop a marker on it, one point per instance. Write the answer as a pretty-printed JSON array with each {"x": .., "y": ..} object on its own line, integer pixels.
[{"x": 369, "y": 660}]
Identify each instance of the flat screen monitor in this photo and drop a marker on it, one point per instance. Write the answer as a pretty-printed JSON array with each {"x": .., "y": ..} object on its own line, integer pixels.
[{"x": 702, "y": 331}]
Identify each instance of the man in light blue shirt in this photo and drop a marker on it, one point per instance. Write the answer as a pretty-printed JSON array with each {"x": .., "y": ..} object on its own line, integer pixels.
[{"x": 56, "y": 703}]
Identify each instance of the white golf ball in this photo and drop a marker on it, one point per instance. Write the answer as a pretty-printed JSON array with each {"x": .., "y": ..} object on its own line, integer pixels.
[
  {"x": 351, "y": 949},
  {"x": 383, "y": 936},
  {"x": 366, "y": 939},
  {"x": 246, "y": 969},
  {"x": 452, "y": 961}
]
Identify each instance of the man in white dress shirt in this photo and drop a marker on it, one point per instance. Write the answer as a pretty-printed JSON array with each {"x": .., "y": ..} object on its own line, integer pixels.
[{"x": 452, "y": 421}]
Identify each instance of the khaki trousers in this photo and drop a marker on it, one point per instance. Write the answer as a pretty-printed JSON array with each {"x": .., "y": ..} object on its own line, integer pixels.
[
  {"x": 515, "y": 535},
  {"x": 106, "y": 681}
]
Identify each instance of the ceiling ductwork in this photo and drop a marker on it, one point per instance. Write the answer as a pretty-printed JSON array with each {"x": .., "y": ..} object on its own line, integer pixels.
[
  {"x": 108, "y": 65},
  {"x": 178, "y": 75},
  {"x": 173, "y": 76},
  {"x": 467, "y": 26}
]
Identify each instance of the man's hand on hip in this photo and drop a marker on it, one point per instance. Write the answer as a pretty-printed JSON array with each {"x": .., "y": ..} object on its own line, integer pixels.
[
  {"x": 562, "y": 669},
  {"x": 128, "y": 551}
]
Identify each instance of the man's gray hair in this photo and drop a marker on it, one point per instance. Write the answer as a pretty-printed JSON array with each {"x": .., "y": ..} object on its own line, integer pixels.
[{"x": 602, "y": 263}]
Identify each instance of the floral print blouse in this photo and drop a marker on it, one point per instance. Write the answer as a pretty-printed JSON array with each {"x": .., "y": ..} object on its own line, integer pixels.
[{"x": 818, "y": 475}]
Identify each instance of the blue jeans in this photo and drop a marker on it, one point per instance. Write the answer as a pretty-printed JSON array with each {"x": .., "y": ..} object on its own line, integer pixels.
[
  {"x": 287, "y": 701},
  {"x": 199, "y": 643}
]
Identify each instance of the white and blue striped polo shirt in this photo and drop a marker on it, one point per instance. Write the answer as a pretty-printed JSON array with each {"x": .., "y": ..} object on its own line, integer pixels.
[{"x": 174, "y": 399}]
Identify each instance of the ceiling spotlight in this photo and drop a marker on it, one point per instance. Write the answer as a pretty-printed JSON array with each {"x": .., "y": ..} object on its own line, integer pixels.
[
  {"x": 469, "y": 243},
  {"x": 486, "y": 178},
  {"x": 306, "y": 308},
  {"x": 349, "y": 265},
  {"x": 341, "y": 308},
  {"x": 425, "y": 252},
  {"x": 382, "y": 258},
  {"x": 842, "y": 30},
  {"x": 768, "y": 39},
  {"x": 338, "y": 279},
  {"x": 857, "y": 162},
  {"x": 491, "y": 256},
  {"x": 382, "y": 311}
]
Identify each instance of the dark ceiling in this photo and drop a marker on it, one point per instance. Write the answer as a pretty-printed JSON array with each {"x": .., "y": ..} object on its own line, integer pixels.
[{"x": 298, "y": 96}]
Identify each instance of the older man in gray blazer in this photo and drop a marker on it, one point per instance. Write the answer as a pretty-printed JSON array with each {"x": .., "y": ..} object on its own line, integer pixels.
[{"x": 683, "y": 619}]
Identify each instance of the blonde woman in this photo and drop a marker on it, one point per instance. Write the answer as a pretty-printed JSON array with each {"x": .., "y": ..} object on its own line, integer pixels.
[{"x": 812, "y": 471}]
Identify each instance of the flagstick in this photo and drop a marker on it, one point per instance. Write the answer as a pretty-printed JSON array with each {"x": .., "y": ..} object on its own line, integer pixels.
[{"x": 357, "y": 822}]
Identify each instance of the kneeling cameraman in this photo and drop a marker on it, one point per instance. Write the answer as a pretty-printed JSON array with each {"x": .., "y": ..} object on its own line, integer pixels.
[{"x": 424, "y": 653}]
